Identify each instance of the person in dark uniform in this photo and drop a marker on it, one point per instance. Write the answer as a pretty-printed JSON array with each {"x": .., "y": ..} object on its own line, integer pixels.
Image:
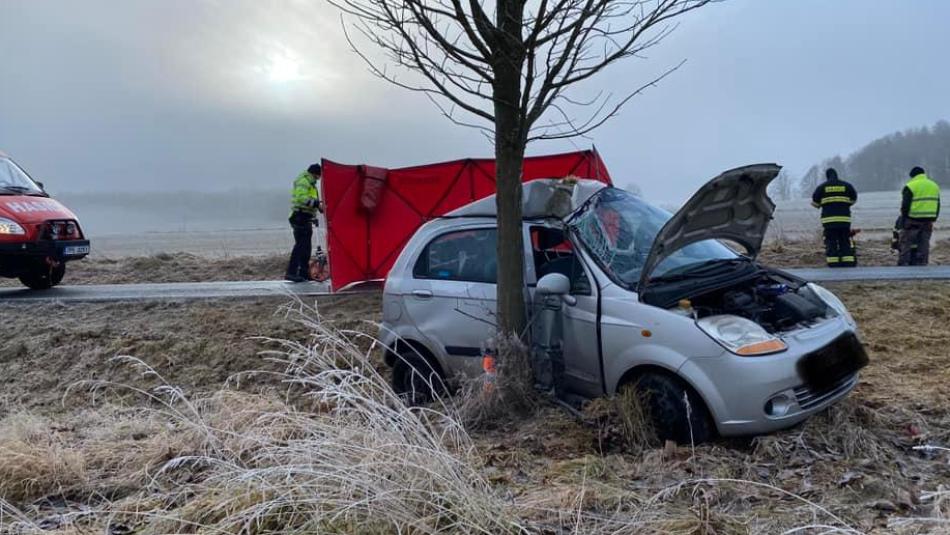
[{"x": 835, "y": 197}]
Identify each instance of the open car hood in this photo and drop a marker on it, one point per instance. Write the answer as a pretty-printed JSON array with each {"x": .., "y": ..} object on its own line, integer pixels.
[{"x": 734, "y": 206}]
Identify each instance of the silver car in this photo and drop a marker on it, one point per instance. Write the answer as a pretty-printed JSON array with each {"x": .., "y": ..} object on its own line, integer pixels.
[{"x": 658, "y": 302}]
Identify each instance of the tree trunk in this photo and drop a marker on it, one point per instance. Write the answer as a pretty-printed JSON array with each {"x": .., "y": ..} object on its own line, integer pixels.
[
  {"x": 510, "y": 140},
  {"x": 511, "y": 286}
]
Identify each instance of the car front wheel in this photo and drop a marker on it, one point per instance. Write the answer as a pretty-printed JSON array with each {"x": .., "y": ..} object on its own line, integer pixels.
[
  {"x": 676, "y": 411},
  {"x": 44, "y": 277}
]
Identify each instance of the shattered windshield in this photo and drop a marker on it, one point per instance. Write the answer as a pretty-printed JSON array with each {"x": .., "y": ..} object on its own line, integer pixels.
[
  {"x": 14, "y": 179},
  {"x": 619, "y": 228}
]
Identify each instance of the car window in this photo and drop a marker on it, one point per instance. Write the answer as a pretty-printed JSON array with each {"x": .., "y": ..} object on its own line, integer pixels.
[
  {"x": 467, "y": 255},
  {"x": 553, "y": 253}
]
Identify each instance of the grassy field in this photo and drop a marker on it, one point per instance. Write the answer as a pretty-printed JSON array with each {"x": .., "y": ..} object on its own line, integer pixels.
[
  {"x": 171, "y": 267},
  {"x": 313, "y": 443},
  {"x": 870, "y": 252}
]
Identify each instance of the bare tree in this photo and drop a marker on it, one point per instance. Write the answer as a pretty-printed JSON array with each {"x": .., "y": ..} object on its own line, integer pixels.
[
  {"x": 810, "y": 181},
  {"x": 504, "y": 66},
  {"x": 783, "y": 187}
]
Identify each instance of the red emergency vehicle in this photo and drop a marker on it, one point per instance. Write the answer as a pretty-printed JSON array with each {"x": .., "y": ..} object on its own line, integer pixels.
[{"x": 38, "y": 235}]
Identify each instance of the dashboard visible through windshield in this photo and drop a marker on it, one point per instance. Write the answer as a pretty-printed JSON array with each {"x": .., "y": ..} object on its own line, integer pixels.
[{"x": 619, "y": 228}]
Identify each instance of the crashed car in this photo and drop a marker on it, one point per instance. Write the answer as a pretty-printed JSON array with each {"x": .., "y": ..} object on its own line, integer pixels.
[{"x": 718, "y": 343}]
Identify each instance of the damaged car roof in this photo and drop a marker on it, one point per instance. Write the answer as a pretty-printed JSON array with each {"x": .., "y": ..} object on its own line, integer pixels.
[{"x": 549, "y": 197}]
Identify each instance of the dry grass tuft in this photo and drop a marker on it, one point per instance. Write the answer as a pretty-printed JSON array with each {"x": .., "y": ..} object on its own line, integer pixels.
[
  {"x": 623, "y": 422},
  {"x": 357, "y": 460},
  {"x": 34, "y": 462},
  {"x": 510, "y": 394}
]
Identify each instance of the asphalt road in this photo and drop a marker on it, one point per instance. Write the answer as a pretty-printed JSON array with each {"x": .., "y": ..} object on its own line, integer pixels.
[
  {"x": 165, "y": 292},
  {"x": 243, "y": 290},
  {"x": 873, "y": 273}
]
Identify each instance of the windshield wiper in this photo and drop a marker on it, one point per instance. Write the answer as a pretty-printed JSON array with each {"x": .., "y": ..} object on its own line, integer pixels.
[{"x": 18, "y": 190}]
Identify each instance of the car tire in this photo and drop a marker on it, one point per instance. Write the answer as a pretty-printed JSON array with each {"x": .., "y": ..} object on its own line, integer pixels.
[
  {"x": 42, "y": 277},
  {"x": 415, "y": 380},
  {"x": 673, "y": 419}
]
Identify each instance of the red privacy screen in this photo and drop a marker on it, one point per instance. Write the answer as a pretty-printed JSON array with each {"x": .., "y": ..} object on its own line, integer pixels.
[{"x": 372, "y": 212}]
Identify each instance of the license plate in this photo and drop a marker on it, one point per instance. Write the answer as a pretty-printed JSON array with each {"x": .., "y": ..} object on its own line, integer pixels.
[
  {"x": 831, "y": 363},
  {"x": 74, "y": 250}
]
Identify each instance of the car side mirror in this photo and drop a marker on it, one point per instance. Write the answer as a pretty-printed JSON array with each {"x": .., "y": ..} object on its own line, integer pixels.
[
  {"x": 556, "y": 285},
  {"x": 40, "y": 184}
]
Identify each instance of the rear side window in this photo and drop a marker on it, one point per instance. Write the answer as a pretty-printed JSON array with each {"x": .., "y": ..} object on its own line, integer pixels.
[{"x": 467, "y": 255}]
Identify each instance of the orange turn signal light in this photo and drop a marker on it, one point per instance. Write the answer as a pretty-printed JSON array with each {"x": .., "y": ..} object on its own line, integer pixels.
[{"x": 762, "y": 348}]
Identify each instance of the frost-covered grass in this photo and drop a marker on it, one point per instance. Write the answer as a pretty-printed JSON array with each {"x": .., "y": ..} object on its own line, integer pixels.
[{"x": 334, "y": 450}]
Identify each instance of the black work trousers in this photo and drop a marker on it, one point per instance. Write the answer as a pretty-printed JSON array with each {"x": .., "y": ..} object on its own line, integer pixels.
[
  {"x": 839, "y": 249},
  {"x": 302, "y": 225},
  {"x": 915, "y": 242}
]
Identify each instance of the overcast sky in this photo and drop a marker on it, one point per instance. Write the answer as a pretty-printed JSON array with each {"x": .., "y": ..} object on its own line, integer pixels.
[{"x": 213, "y": 94}]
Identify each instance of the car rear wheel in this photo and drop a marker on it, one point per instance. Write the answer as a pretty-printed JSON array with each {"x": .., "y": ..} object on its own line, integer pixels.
[
  {"x": 43, "y": 276},
  {"x": 415, "y": 380},
  {"x": 676, "y": 411}
]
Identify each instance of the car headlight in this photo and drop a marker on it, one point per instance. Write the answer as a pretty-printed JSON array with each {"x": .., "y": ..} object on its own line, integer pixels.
[
  {"x": 8, "y": 226},
  {"x": 741, "y": 336},
  {"x": 833, "y": 302}
]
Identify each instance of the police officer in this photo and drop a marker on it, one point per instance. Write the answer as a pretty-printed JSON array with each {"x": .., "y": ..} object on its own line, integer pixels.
[
  {"x": 835, "y": 197},
  {"x": 920, "y": 207},
  {"x": 305, "y": 205}
]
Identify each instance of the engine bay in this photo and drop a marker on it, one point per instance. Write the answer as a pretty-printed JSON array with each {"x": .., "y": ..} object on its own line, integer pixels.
[{"x": 774, "y": 302}]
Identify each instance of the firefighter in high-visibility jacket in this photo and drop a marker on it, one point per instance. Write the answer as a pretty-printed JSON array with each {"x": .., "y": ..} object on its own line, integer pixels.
[
  {"x": 835, "y": 197},
  {"x": 305, "y": 204},
  {"x": 920, "y": 207}
]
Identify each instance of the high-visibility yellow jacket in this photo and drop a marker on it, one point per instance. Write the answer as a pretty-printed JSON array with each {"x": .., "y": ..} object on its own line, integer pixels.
[
  {"x": 305, "y": 196},
  {"x": 921, "y": 199},
  {"x": 835, "y": 198}
]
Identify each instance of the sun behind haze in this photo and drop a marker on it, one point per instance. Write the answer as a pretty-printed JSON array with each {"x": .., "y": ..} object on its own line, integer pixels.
[{"x": 213, "y": 94}]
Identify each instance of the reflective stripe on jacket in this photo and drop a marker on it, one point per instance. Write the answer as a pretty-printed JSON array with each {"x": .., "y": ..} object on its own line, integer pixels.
[
  {"x": 305, "y": 196},
  {"x": 835, "y": 198},
  {"x": 924, "y": 202}
]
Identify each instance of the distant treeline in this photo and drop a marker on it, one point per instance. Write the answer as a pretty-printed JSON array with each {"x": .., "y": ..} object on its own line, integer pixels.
[{"x": 883, "y": 164}]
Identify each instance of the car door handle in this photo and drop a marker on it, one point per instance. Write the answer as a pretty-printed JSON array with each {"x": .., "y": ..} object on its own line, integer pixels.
[{"x": 422, "y": 294}]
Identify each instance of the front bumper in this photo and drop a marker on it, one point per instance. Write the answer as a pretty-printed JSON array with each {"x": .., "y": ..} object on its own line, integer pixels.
[
  {"x": 60, "y": 250},
  {"x": 738, "y": 389}
]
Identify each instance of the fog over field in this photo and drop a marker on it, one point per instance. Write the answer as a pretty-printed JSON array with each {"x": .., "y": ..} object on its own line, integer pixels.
[
  {"x": 164, "y": 95},
  {"x": 231, "y": 223},
  {"x": 178, "y": 211},
  {"x": 237, "y": 223},
  {"x": 874, "y": 212}
]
